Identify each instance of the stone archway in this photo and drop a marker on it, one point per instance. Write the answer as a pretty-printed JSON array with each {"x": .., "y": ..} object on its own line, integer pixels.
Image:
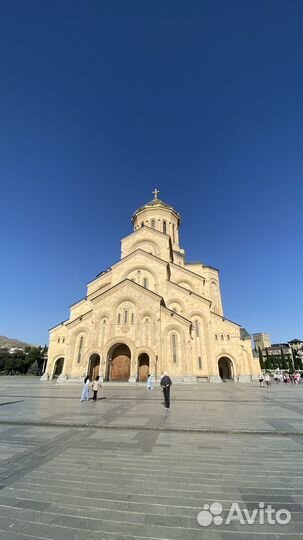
[
  {"x": 143, "y": 367},
  {"x": 58, "y": 368},
  {"x": 93, "y": 366},
  {"x": 118, "y": 365},
  {"x": 226, "y": 368}
]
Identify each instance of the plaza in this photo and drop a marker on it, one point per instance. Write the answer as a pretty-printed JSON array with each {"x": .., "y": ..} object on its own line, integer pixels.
[{"x": 125, "y": 468}]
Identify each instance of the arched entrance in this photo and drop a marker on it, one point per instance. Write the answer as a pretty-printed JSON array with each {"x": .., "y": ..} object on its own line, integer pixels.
[
  {"x": 93, "y": 366},
  {"x": 226, "y": 368},
  {"x": 58, "y": 368},
  {"x": 143, "y": 367},
  {"x": 119, "y": 363}
]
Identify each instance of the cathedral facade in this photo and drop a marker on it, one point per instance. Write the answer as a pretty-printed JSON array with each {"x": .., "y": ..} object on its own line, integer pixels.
[{"x": 152, "y": 311}]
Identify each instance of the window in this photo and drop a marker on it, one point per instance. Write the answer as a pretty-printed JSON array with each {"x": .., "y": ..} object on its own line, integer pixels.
[
  {"x": 119, "y": 318},
  {"x": 142, "y": 223},
  {"x": 80, "y": 350},
  {"x": 58, "y": 340},
  {"x": 164, "y": 227},
  {"x": 63, "y": 340},
  {"x": 104, "y": 321},
  {"x": 125, "y": 316},
  {"x": 200, "y": 362},
  {"x": 216, "y": 337},
  {"x": 174, "y": 347},
  {"x": 197, "y": 327},
  {"x": 153, "y": 223},
  {"x": 222, "y": 337},
  {"x": 173, "y": 232},
  {"x": 145, "y": 283},
  {"x": 228, "y": 337},
  {"x": 133, "y": 318}
]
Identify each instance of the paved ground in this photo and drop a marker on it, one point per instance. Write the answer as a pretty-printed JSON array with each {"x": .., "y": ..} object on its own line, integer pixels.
[{"x": 137, "y": 471}]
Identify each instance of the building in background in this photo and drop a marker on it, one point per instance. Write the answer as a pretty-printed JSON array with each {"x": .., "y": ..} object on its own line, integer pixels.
[{"x": 261, "y": 340}]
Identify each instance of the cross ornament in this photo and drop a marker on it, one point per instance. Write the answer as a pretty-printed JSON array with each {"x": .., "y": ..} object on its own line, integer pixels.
[{"x": 156, "y": 192}]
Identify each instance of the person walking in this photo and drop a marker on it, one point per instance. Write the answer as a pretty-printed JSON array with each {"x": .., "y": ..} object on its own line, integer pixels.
[
  {"x": 267, "y": 380},
  {"x": 261, "y": 379},
  {"x": 85, "y": 389},
  {"x": 166, "y": 383},
  {"x": 149, "y": 382},
  {"x": 95, "y": 387}
]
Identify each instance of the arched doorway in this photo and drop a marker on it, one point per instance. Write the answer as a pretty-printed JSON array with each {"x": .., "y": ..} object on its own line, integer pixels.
[
  {"x": 226, "y": 368},
  {"x": 58, "y": 368},
  {"x": 143, "y": 367},
  {"x": 93, "y": 366},
  {"x": 119, "y": 363}
]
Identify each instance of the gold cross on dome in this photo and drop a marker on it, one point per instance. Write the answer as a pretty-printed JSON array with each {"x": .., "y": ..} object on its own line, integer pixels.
[{"x": 155, "y": 192}]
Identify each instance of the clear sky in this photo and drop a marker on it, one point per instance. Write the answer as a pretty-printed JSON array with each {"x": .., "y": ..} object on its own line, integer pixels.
[{"x": 102, "y": 101}]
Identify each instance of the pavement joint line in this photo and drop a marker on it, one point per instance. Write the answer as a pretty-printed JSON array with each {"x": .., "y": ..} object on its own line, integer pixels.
[{"x": 65, "y": 425}]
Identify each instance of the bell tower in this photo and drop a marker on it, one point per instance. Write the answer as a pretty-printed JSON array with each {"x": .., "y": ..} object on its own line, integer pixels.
[{"x": 160, "y": 216}]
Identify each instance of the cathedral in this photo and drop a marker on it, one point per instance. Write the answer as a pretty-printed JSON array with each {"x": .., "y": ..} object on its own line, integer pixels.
[{"x": 152, "y": 311}]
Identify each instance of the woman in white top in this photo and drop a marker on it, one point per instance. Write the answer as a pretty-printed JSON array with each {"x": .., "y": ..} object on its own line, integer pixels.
[
  {"x": 85, "y": 390},
  {"x": 95, "y": 387}
]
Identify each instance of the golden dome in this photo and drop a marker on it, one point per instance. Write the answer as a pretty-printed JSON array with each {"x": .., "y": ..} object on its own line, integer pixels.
[{"x": 156, "y": 203}]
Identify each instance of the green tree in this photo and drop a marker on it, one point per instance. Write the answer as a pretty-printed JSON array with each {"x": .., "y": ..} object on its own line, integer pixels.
[
  {"x": 261, "y": 361},
  {"x": 34, "y": 368},
  {"x": 37, "y": 354}
]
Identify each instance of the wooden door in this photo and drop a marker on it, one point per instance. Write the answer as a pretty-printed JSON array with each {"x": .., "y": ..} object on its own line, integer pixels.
[
  {"x": 120, "y": 368},
  {"x": 143, "y": 372},
  {"x": 95, "y": 371}
]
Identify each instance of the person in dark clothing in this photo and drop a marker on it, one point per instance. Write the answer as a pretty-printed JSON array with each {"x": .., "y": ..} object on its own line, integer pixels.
[{"x": 166, "y": 383}]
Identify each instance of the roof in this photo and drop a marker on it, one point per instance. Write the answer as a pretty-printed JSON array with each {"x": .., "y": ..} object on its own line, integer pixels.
[
  {"x": 244, "y": 334},
  {"x": 156, "y": 203}
]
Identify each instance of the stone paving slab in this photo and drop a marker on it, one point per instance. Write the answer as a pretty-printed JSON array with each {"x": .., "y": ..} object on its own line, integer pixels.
[{"x": 142, "y": 476}]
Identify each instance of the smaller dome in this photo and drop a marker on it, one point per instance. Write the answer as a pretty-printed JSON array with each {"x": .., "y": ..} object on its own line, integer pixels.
[{"x": 156, "y": 203}]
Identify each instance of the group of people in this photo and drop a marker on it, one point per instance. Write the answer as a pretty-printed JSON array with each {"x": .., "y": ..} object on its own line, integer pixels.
[
  {"x": 165, "y": 384},
  {"x": 264, "y": 379},
  {"x": 294, "y": 378},
  {"x": 95, "y": 385},
  {"x": 280, "y": 377}
]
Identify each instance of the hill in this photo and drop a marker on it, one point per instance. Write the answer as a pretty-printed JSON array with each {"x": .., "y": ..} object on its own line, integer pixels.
[{"x": 9, "y": 343}]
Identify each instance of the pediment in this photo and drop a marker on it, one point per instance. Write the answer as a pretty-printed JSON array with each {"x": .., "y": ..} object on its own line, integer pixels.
[{"x": 126, "y": 285}]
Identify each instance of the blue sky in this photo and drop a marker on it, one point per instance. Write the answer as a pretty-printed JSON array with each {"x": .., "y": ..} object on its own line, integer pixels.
[{"x": 101, "y": 102}]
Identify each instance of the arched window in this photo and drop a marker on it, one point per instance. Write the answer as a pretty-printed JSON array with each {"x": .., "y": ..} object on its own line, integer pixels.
[
  {"x": 133, "y": 318},
  {"x": 200, "y": 362},
  {"x": 153, "y": 223},
  {"x": 197, "y": 328},
  {"x": 125, "y": 316},
  {"x": 80, "y": 349},
  {"x": 119, "y": 318},
  {"x": 164, "y": 227},
  {"x": 142, "y": 223},
  {"x": 145, "y": 283},
  {"x": 173, "y": 232},
  {"x": 174, "y": 348}
]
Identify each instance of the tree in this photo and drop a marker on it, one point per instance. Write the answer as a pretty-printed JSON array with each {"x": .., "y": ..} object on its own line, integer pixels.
[
  {"x": 268, "y": 361},
  {"x": 37, "y": 354},
  {"x": 4, "y": 354},
  {"x": 261, "y": 359},
  {"x": 285, "y": 363},
  {"x": 34, "y": 368}
]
